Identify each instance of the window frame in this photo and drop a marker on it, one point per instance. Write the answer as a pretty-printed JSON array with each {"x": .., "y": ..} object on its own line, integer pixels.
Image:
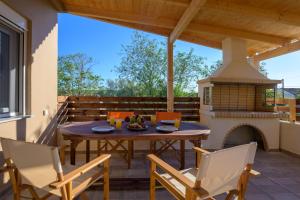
[
  {"x": 206, "y": 95},
  {"x": 21, "y": 73}
]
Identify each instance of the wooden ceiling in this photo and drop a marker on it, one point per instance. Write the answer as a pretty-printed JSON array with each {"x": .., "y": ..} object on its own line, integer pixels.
[{"x": 271, "y": 27}]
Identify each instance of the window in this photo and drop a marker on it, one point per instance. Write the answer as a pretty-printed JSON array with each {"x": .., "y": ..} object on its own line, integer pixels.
[
  {"x": 11, "y": 70},
  {"x": 270, "y": 95},
  {"x": 206, "y": 96}
]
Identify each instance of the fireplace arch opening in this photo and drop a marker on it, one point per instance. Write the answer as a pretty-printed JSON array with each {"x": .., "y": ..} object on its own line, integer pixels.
[{"x": 244, "y": 134}]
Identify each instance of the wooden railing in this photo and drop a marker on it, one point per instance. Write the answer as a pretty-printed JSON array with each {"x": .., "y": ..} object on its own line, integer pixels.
[
  {"x": 289, "y": 105},
  {"x": 85, "y": 108},
  {"x": 298, "y": 110}
]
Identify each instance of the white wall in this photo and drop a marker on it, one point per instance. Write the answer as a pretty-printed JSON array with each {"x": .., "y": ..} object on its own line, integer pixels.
[
  {"x": 41, "y": 73},
  {"x": 220, "y": 127},
  {"x": 290, "y": 137}
]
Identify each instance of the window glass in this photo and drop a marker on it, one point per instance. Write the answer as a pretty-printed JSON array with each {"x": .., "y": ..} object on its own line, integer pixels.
[
  {"x": 206, "y": 96},
  {"x": 10, "y": 78}
]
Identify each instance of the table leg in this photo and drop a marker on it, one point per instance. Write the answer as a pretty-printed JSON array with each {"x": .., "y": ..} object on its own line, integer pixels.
[
  {"x": 132, "y": 152},
  {"x": 74, "y": 144},
  {"x": 87, "y": 151},
  {"x": 98, "y": 147},
  {"x": 182, "y": 154},
  {"x": 129, "y": 153},
  {"x": 152, "y": 147}
]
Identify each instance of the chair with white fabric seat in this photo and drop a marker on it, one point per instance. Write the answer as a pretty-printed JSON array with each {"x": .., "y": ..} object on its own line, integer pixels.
[
  {"x": 223, "y": 171},
  {"x": 39, "y": 167}
]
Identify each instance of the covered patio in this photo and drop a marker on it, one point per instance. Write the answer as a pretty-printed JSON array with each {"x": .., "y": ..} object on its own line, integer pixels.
[
  {"x": 270, "y": 28},
  {"x": 248, "y": 32}
]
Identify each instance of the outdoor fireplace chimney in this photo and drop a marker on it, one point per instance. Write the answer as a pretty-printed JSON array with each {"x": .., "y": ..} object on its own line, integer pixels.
[{"x": 237, "y": 94}]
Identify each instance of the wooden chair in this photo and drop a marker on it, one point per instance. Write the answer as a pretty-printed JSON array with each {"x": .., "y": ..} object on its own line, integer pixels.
[
  {"x": 62, "y": 145},
  {"x": 167, "y": 116},
  {"x": 106, "y": 145},
  {"x": 39, "y": 167},
  {"x": 167, "y": 144},
  {"x": 224, "y": 171},
  {"x": 119, "y": 115}
]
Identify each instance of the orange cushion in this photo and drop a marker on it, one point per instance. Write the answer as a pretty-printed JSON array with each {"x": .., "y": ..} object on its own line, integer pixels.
[
  {"x": 167, "y": 116},
  {"x": 119, "y": 115}
]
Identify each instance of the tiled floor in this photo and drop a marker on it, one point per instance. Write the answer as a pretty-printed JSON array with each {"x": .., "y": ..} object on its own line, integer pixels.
[{"x": 280, "y": 179}]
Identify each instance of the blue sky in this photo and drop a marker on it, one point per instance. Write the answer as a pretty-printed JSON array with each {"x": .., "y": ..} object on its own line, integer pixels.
[{"x": 103, "y": 42}]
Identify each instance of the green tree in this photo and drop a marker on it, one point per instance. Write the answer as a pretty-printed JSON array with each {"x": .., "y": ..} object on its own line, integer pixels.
[
  {"x": 120, "y": 87},
  {"x": 262, "y": 68},
  {"x": 143, "y": 63},
  {"x": 75, "y": 76},
  {"x": 144, "y": 67}
]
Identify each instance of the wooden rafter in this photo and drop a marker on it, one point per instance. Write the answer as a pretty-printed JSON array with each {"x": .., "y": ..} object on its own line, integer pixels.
[
  {"x": 163, "y": 17},
  {"x": 186, "y": 18},
  {"x": 123, "y": 17},
  {"x": 186, "y": 36},
  {"x": 288, "y": 48},
  {"x": 231, "y": 32},
  {"x": 58, "y": 5},
  {"x": 170, "y": 24},
  {"x": 225, "y": 7},
  {"x": 265, "y": 14}
]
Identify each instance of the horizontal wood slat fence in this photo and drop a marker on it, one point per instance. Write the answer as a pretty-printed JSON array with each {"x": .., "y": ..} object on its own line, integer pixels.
[
  {"x": 288, "y": 105},
  {"x": 298, "y": 109},
  {"x": 85, "y": 108}
]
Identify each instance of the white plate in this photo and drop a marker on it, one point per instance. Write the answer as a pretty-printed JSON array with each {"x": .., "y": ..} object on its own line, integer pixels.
[
  {"x": 170, "y": 122},
  {"x": 103, "y": 129},
  {"x": 166, "y": 129}
]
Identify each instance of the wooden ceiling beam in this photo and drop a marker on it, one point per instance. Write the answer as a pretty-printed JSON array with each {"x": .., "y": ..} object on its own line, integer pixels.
[
  {"x": 58, "y": 5},
  {"x": 288, "y": 48},
  {"x": 186, "y": 18},
  {"x": 170, "y": 24},
  {"x": 147, "y": 28},
  {"x": 265, "y": 14},
  {"x": 188, "y": 37},
  {"x": 231, "y": 32},
  {"x": 182, "y": 3},
  {"x": 241, "y": 9},
  {"x": 124, "y": 17}
]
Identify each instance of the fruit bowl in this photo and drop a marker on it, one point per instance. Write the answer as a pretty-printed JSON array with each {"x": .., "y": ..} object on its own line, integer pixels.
[{"x": 136, "y": 123}]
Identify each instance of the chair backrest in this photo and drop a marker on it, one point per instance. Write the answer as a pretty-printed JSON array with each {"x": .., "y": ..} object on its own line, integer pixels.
[
  {"x": 119, "y": 115},
  {"x": 221, "y": 170},
  {"x": 167, "y": 116},
  {"x": 38, "y": 164}
]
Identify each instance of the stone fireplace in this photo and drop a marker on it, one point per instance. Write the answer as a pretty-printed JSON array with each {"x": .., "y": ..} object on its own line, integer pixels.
[{"x": 237, "y": 102}]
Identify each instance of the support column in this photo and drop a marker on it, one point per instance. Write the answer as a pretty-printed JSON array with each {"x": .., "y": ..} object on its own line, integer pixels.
[{"x": 170, "y": 89}]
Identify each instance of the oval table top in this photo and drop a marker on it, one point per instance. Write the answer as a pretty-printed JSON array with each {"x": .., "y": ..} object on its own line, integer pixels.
[{"x": 83, "y": 130}]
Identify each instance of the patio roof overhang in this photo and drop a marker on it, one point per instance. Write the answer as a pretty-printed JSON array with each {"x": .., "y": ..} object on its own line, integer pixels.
[{"x": 271, "y": 28}]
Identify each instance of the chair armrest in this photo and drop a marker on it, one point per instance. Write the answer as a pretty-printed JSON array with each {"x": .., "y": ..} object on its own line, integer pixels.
[
  {"x": 7, "y": 168},
  {"x": 254, "y": 173},
  {"x": 200, "y": 150},
  {"x": 63, "y": 147},
  {"x": 81, "y": 170},
  {"x": 4, "y": 169},
  {"x": 171, "y": 171}
]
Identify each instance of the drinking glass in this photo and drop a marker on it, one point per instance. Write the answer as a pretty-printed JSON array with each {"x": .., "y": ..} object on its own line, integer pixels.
[
  {"x": 177, "y": 123},
  {"x": 112, "y": 121},
  {"x": 118, "y": 123},
  {"x": 153, "y": 120}
]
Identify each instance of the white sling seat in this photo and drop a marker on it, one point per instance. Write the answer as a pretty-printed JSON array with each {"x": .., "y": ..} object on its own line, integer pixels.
[
  {"x": 217, "y": 173},
  {"x": 39, "y": 166}
]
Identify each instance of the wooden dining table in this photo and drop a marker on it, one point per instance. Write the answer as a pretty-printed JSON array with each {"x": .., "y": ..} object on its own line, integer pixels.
[{"x": 76, "y": 132}]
